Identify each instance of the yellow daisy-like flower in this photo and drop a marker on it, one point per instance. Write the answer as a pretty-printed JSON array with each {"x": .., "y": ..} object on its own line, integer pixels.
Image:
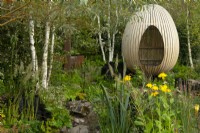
[
  {"x": 149, "y": 85},
  {"x": 127, "y": 78},
  {"x": 164, "y": 88},
  {"x": 154, "y": 87},
  {"x": 162, "y": 75},
  {"x": 154, "y": 93},
  {"x": 196, "y": 107}
]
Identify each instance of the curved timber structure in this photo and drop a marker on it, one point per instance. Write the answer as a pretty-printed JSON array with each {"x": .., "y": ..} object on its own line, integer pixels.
[{"x": 150, "y": 41}]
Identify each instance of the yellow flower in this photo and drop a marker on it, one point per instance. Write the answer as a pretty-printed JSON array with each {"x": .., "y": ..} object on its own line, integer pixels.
[
  {"x": 164, "y": 88},
  {"x": 196, "y": 107},
  {"x": 162, "y": 75},
  {"x": 168, "y": 90},
  {"x": 127, "y": 78},
  {"x": 154, "y": 87},
  {"x": 149, "y": 85},
  {"x": 154, "y": 93}
]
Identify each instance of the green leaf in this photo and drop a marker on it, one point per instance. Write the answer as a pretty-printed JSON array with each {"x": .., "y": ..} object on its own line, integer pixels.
[
  {"x": 171, "y": 100},
  {"x": 149, "y": 127},
  {"x": 158, "y": 124},
  {"x": 139, "y": 123}
]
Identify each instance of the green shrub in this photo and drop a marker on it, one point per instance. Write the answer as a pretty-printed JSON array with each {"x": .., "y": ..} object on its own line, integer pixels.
[
  {"x": 184, "y": 72},
  {"x": 55, "y": 101},
  {"x": 18, "y": 107}
]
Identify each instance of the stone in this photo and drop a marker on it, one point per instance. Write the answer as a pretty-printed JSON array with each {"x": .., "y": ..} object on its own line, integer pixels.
[
  {"x": 81, "y": 108},
  {"x": 79, "y": 129},
  {"x": 78, "y": 120}
]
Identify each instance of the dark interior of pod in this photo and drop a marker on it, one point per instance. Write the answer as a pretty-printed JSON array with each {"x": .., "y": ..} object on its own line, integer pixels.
[{"x": 151, "y": 49}]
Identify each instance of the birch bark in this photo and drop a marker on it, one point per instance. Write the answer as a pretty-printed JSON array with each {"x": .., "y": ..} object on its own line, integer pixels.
[
  {"x": 51, "y": 54},
  {"x": 188, "y": 38},
  {"x": 109, "y": 35},
  {"x": 32, "y": 42},
  {"x": 45, "y": 56},
  {"x": 33, "y": 51},
  {"x": 114, "y": 34},
  {"x": 100, "y": 39}
]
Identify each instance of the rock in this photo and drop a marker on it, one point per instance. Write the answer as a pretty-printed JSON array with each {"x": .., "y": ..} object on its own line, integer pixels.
[
  {"x": 81, "y": 108},
  {"x": 79, "y": 129},
  {"x": 84, "y": 119},
  {"x": 78, "y": 121}
]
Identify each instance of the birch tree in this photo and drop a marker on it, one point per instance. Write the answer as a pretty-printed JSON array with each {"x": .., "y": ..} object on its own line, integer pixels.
[
  {"x": 33, "y": 50},
  {"x": 45, "y": 56},
  {"x": 186, "y": 16},
  {"x": 100, "y": 38},
  {"x": 188, "y": 34},
  {"x": 43, "y": 19},
  {"x": 110, "y": 16},
  {"x": 57, "y": 14},
  {"x": 51, "y": 54},
  {"x": 45, "y": 73},
  {"x": 32, "y": 46},
  {"x": 102, "y": 11}
]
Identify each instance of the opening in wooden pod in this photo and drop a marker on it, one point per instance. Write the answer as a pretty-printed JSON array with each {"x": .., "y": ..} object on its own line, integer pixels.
[{"x": 151, "y": 49}]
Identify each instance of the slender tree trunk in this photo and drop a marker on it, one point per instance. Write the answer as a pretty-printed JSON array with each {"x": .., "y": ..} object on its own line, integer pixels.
[
  {"x": 33, "y": 52},
  {"x": 100, "y": 39},
  {"x": 188, "y": 39},
  {"x": 51, "y": 54},
  {"x": 45, "y": 56},
  {"x": 109, "y": 47},
  {"x": 32, "y": 42},
  {"x": 109, "y": 36},
  {"x": 113, "y": 46},
  {"x": 113, "y": 36}
]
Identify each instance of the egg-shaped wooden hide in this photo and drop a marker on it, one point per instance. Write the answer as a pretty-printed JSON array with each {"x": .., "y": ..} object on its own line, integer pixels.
[{"x": 150, "y": 40}]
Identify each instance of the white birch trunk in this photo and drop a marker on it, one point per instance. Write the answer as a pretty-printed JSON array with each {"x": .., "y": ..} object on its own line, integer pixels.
[
  {"x": 51, "y": 54},
  {"x": 100, "y": 39},
  {"x": 45, "y": 56},
  {"x": 113, "y": 36},
  {"x": 188, "y": 39},
  {"x": 32, "y": 42},
  {"x": 33, "y": 52},
  {"x": 113, "y": 46},
  {"x": 109, "y": 36},
  {"x": 109, "y": 46}
]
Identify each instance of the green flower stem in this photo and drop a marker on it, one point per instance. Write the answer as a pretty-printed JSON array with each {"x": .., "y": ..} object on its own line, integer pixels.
[
  {"x": 158, "y": 103},
  {"x": 152, "y": 120}
]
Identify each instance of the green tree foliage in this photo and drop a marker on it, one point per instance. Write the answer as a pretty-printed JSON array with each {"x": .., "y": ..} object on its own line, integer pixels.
[
  {"x": 108, "y": 18},
  {"x": 178, "y": 10}
]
